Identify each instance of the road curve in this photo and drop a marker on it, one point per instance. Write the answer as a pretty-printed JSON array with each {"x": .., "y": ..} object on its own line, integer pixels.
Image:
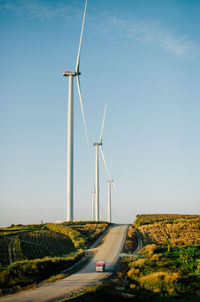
[{"x": 109, "y": 251}]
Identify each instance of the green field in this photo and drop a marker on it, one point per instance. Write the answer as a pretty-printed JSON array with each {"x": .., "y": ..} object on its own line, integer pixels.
[{"x": 31, "y": 253}]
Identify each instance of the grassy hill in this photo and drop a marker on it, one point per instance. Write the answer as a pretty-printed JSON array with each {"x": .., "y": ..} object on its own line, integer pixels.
[
  {"x": 31, "y": 253},
  {"x": 169, "y": 230},
  {"x": 169, "y": 262}
]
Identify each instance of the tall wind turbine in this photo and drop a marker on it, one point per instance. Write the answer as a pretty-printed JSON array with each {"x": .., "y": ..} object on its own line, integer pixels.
[
  {"x": 70, "y": 131},
  {"x": 98, "y": 146}
]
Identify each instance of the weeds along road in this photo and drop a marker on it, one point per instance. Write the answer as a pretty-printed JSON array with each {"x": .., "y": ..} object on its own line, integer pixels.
[{"x": 109, "y": 251}]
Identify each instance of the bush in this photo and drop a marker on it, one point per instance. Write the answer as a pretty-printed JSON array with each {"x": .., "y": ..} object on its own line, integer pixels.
[
  {"x": 188, "y": 257},
  {"x": 139, "y": 263},
  {"x": 149, "y": 250},
  {"x": 160, "y": 282}
]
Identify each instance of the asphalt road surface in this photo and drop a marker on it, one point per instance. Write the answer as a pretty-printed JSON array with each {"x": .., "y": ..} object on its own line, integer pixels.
[{"x": 109, "y": 251}]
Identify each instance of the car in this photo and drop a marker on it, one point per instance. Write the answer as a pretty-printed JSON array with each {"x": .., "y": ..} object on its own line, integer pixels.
[{"x": 100, "y": 266}]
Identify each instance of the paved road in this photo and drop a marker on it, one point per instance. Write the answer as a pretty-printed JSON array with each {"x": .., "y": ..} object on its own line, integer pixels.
[{"x": 109, "y": 251}]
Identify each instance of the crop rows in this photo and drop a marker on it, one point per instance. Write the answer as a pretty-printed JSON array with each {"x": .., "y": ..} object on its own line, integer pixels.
[
  {"x": 167, "y": 218},
  {"x": 21, "y": 242},
  {"x": 4, "y": 256},
  {"x": 173, "y": 230},
  {"x": 44, "y": 243}
]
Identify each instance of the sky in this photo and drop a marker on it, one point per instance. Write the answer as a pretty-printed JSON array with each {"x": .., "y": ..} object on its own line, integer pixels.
[{"x": 142, "y": 58}]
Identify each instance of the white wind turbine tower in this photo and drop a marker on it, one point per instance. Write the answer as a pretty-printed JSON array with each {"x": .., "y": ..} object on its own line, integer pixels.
[
  {"x": 98, "y": 146},
  {"x": 70, "y": 132},
  {"x": 93, "y": 204},
  {"x": 110, "y": 185}
]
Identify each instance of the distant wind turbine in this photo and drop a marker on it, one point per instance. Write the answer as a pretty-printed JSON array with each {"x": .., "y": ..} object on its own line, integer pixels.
[
  {"x": 70, "y": 132},
  {"x": 98, "y": 146},
  {"x": 110, "y": 185}
]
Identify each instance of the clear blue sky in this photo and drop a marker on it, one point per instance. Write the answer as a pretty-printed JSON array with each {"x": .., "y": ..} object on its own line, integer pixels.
[{"x": 142, "y": 57}]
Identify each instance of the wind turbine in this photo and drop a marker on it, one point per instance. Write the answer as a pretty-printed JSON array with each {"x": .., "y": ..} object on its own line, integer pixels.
[
  {"x": 98, "y": 146},
  {"x": 70, "y": 130},
  {"x": 110, "y": 184}
]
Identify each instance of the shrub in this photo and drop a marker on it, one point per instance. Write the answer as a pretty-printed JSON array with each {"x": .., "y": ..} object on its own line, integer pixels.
[
  {"x": 156, "y": 257},
  {"x": 148, "y": 250},
  {"x": 131, "y": 273},
  {"x": 159, "y": 281},
  {"x": 197, "y": 272},
  {"x": 188, "y": 258},
  {"x": 139, "y": 263}
]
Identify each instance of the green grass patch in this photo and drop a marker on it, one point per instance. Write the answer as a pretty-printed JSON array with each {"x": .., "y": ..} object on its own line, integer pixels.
[{"x": 22, "y": 273}]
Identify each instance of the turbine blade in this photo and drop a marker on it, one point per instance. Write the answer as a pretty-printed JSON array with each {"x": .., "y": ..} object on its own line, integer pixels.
[
  {"x": 79, "y": 49},
  {"x": 104, "y": 115},
  {"x": 104, "y": 160},
  {"x": 82, "y": 110},
  {"x": 111, "y": 168}
]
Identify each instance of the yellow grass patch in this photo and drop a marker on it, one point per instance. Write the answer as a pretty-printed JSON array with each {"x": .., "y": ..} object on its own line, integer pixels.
[
  {"x": 176, "y": 234},
  {"x": 139, "y": 263},
  {"x": 160, "y": 276},
  {"x": 159, "y": 281},
  {"x": 148, "y": 250}
]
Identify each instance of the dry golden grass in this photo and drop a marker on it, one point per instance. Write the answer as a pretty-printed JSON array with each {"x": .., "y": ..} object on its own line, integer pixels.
[
  {"x": 139, "y": 263},
  {"x": 148, "y": 250},
  {"x": 176, "y": 234},
  {"x": 159, "y": 281},
  {"x": 160, "y": 276},
  {"x": 154, "y": 218},
  {"x": 156, "y": 257}
]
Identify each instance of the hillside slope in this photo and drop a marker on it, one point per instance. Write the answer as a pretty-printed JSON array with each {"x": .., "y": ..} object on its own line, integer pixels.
[
  {"x": 169, "y": 262},
  {"x": 31, "y": 253}
]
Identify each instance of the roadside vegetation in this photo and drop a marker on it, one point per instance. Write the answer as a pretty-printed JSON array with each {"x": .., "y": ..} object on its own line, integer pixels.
[
  {"x": 168, "y": 265},
  {"x": 132, "y": 240},
  {"x": 32, "y": 253}
]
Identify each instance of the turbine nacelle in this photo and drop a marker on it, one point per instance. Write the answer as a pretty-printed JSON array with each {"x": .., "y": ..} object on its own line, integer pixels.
[
  {"x": 98, "y": 144},
  {"x": 110, "y": 181},
  {"x": 70, "y": 73}
]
